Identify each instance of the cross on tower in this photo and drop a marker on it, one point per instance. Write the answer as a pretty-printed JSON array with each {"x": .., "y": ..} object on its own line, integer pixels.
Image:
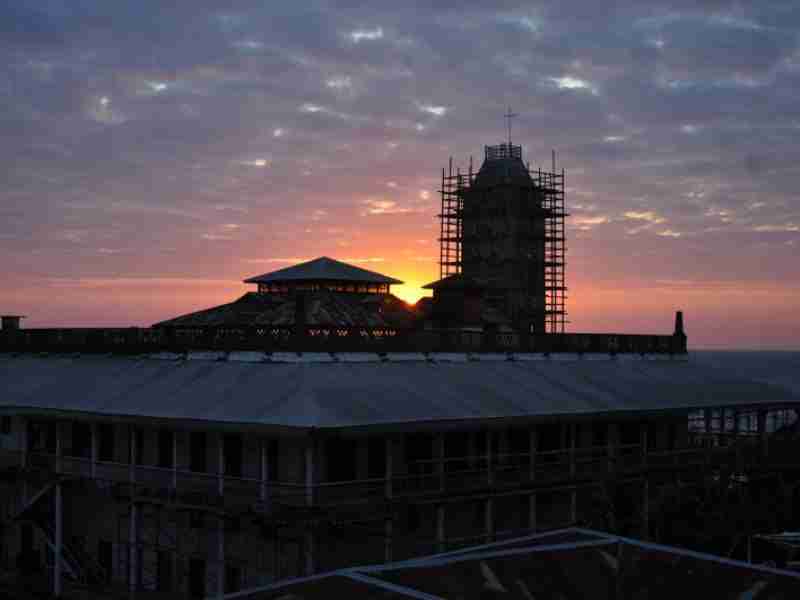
[{"x": 508, "y": 116}]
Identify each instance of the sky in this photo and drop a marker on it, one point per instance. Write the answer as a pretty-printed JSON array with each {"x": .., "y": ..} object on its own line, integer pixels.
[{"x": 154, "y": 154}]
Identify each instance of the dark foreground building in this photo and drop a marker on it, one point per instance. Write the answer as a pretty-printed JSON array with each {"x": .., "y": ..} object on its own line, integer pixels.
[
  {"x": 319, "y": 422},
  {"x": 564, "y": 563}
]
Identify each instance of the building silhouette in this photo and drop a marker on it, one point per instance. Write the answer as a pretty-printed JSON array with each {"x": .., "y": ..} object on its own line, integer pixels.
[{"x": 319, "y": 422}]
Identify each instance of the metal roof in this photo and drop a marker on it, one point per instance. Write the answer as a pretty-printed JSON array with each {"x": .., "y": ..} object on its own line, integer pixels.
[
  {"x": 349, "y": 394},
  {"x": 567, "y": 563},
  {"x": 323, "y": 269},
  {"x": 457, "y": 281}
]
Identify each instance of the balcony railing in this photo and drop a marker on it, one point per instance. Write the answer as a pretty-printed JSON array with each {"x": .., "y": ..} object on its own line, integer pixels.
[
  {"x": 425, "y": 479},
  {"x": 318, "y": 338}
]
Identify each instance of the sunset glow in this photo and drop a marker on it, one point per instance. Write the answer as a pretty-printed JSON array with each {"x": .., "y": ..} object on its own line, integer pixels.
[{"x": 152, "y": 164}]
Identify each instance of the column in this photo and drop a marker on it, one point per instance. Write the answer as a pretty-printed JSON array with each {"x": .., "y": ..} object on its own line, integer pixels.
[
  {"x": 59, "y": 465},
  {"x": 573, "y": 495},
  {"x": 309, "y": 472},
  {"x": 707, "y": 422},
  {"x": 58, "y": 544},
  {"x": 133, "y": 548},
  {"x": 309, "y": 534},
  {"x": 472, "y": 451},
  {"x": 220, "y": 464},
  {"x": 221, "y": 557},
  {"x": 264, "y": 467},
  {"x": 438, "y": 453},
  {"x": 441, "y": 544},
  {"x": 132, "y": 453},
  {"x": 534, "y": 446},
  {"x": 24, "y": 458},
  {"x": 24, "y": 442},
  {"x": 762, "y": 432},
  {"x": 737, "y": 440},
  {"x": 489, "y": 458},
  {"x": 388, "y": 531},
  {"x": 175, "y": 461},
  {"x": 489, "y": 515},
  {"x": 94, "y": 451},
  {"x": 388, "y": 493},
  {"x": 612, "y": 446},
  {"x": 646, "y": 508},
  {"x": 645, "y": 442}
]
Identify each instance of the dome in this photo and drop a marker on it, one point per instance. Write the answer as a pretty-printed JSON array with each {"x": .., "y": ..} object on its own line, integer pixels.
[{"x": 502, "y": 165}]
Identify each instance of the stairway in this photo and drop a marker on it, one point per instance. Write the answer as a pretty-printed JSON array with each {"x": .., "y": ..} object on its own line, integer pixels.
[{"x": 79, "y": 565}]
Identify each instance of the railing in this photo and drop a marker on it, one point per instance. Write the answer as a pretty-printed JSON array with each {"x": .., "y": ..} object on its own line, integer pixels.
[
  {"x": 424, "y": 479},
  {"x": 135, "y": 340}
]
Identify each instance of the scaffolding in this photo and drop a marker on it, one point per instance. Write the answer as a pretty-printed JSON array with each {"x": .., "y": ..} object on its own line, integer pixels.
[
  {"x": 454, "y": 186},
  {"x": 550, "y": 186}
]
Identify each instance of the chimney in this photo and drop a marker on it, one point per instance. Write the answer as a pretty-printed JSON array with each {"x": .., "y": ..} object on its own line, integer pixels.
[
  {"x": 679, "y": 336},
  {"x": 679, "y": 323},
  {"x": 10, "y": 322}
]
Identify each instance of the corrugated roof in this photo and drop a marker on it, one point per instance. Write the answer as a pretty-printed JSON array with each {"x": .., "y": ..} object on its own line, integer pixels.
[
  {"x": 569, "y": 563},
  {"x": 323, "y": 269},
  {"x": 344, "y": 394},
  {"x": 322, "y": 307}
]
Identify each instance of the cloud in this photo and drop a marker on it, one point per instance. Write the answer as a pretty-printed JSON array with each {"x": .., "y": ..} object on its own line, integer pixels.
[
  {"x": 568, "y": 82},
  {"x": 383, "y": 207},
  {"x": 436, "y": 111},
  {"x": 586, "y": 223},
  {"x": 648, "y": 216},
  {"x": 360, "y": 35},
  {"x": 786, "y": 227},
  {"x": 138, "y": 130}
]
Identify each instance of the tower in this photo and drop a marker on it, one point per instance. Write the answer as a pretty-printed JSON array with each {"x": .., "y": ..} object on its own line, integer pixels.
[{"x": 504, "y": 226}]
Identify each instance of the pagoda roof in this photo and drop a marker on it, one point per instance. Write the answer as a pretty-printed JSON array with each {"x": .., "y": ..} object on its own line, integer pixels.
[
  {"x": 323, "y": 269},
  {"x": 322, "y": 307}
]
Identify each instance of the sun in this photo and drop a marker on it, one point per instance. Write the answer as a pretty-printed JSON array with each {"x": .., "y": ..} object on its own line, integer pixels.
[{"x": 410, "y": 291}]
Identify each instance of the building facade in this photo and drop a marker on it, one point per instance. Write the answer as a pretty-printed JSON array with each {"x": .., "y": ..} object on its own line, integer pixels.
[{"x": 257, "y": 471}]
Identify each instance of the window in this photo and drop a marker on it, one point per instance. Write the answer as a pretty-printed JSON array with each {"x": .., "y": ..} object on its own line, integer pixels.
[
  {"x": 165, "y": 443},
  {"x": 105, "y": 442},
  {"x": 672, "y": 434},
  {"x": 232, "y": 446},
  {"x": 196, "y": 519},
  {"x": 479, "y": 514},
  {"x": 81, "y": 440},
  {"x": 456, "y": 449},
  {"x": 197, "y": 578},
  {"x": 629, "y": 434},
  {"x": 137, "y": 446},
  {"x": 105, "y": 558},
  {"x": 233, "y": 578},
  {"x": 599, "y": 434},
  {"x": 341, "y": 455},
  {"x": 519, "y": 446},
  {"x": 272, "y": 461},
  {"x": 197, "y": 450},
  {"x": 376, "y": 452},
  {"x": 413, "y": 517},
  {"x": 419, "y": 452},
  {"x": 164, "y": 571}
]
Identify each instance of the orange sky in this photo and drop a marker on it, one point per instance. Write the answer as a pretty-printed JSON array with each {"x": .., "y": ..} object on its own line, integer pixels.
[{"x": 155, "y": 155}]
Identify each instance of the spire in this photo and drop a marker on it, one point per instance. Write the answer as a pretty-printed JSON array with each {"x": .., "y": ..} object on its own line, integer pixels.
[{"x": 508, "y": 116}]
